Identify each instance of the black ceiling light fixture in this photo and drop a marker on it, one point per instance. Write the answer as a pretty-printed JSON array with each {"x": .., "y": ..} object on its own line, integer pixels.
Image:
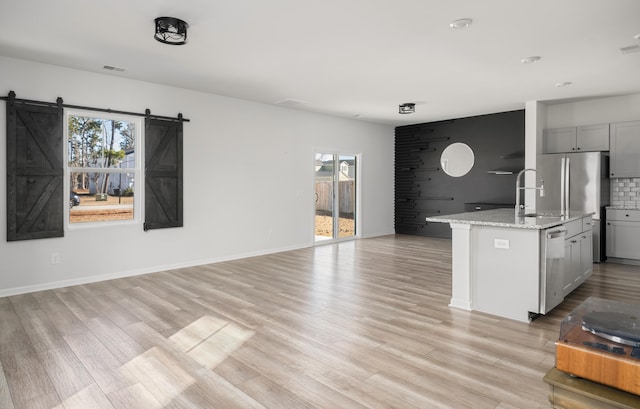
[
  {"x": 171, "y": 30},
  {"x": 407, "y": 108}
]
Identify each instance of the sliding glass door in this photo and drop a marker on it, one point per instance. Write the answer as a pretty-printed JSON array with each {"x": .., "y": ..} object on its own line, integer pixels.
[{"x": 335, "y": 196}]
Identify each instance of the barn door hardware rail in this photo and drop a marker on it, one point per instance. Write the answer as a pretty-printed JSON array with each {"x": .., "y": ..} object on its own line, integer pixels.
[{"x": 58, "y": 103}]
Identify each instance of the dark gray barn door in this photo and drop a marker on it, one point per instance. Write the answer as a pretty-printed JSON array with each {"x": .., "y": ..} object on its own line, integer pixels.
[
  {"x": 163, "y": 174},
  {"x": 34, "y": 170}
]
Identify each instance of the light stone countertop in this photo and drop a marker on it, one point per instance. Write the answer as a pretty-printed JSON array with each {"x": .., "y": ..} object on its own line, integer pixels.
[
  {"x": 623, "y": 208},
  {"x": 505, "y": 218}
]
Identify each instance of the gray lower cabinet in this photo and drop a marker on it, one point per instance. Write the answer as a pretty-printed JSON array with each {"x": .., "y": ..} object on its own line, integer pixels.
[
  {"x": 623, "y": 234},
  {"x": 578, "y": 261},
  {"x": 625, "y": 150}
]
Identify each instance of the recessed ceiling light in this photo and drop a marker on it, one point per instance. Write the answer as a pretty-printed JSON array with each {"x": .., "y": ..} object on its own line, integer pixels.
[
  {"x": 461, "y": 23},
  {"x": 637, "y": 36},
  {"x": 529, "y": 60},
  {"x": 563, "y": 84}
]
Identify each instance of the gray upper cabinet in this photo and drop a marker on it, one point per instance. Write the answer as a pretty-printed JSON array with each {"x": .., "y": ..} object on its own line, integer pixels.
[
  {"x": 558, "y": 140},
  {"x": 592, "y": 138},
  {"x": 586, "y": 138},
  {"x": 625, "y": 150}
]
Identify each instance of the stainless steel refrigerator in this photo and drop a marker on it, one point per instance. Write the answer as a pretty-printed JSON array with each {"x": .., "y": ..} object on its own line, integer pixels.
[{"x": 576, "y": 183}]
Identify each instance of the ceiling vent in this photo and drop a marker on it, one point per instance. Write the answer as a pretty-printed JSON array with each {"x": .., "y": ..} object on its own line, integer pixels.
[
  {"x": 630, "y": 49},
  {"x": 112, "y": 68},
  {"x": 290, "y": 102}
]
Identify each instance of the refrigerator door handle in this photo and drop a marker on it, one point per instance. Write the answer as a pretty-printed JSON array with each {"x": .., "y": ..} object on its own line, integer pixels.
[
  {"x": 562, "y": 184},
  {"x": 567, "y": 198}
]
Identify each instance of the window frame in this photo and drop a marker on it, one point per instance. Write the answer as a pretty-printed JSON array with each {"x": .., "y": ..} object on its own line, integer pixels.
[{"x": 138, "y": 121}]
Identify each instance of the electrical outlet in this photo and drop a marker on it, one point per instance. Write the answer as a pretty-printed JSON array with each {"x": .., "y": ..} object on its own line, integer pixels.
[
  {"x": 55, "y": 258},
  {"x": 501, "y": 243}
]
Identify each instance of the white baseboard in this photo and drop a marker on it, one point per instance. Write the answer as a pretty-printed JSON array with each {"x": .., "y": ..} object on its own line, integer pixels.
[
  {"x": 148, "y": 270},
  {"x": 371, "y": 235}
]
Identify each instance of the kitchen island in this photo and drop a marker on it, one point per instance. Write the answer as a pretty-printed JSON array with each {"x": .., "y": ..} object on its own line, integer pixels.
[{"x": 517, "y": 266}]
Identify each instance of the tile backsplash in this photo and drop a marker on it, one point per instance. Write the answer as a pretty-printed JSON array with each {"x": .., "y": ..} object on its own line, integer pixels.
[{"x": 625, "y": 192}]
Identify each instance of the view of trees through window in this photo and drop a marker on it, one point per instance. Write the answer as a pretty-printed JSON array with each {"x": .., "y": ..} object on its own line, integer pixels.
[{"x": 102, "y": 168}]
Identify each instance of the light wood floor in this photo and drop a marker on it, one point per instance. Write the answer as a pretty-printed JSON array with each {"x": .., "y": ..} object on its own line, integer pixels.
[{"x": 361, "y": 324}]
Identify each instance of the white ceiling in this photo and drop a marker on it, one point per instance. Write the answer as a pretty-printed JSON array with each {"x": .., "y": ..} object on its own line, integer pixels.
[{"x": 346, "y": 57}]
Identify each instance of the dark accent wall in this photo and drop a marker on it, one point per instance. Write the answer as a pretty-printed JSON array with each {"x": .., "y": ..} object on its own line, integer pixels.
[{"x": 422, "y": 189}]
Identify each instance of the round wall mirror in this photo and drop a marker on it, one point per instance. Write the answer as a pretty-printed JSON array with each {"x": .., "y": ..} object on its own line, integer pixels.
[{"x": 457, "y": 159}]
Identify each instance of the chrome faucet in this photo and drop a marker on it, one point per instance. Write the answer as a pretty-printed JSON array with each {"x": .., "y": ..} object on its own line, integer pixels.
[{"x": 520, "y": 208}]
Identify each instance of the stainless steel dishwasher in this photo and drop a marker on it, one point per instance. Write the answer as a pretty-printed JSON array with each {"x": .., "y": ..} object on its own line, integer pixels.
[{"x": 552, "y": 267}]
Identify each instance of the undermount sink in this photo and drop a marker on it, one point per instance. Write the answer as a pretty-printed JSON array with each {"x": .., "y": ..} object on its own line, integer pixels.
[{"x": 542, "y": 215}]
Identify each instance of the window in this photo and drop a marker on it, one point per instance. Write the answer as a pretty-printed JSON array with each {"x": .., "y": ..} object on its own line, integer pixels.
[
  {"x": 97, "y": 176},
  {"x": 103, "y": 167}
]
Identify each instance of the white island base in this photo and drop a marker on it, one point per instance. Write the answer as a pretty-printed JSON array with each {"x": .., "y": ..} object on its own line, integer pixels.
[
  {"x": 499, "y": 281},
  {"x": 502, "y": 265}
]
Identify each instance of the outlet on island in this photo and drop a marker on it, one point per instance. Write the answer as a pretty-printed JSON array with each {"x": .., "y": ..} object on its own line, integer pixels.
[{"x": 501, "y": 243}]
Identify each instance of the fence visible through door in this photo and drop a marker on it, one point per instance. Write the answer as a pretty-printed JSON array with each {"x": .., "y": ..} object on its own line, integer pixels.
[{"x": 335, "y": 194}]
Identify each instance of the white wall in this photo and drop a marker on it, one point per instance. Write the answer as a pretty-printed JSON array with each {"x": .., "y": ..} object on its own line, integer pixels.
[
  {"x": 248, "y": 180},
  {"x": 594, "y": 111}
]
